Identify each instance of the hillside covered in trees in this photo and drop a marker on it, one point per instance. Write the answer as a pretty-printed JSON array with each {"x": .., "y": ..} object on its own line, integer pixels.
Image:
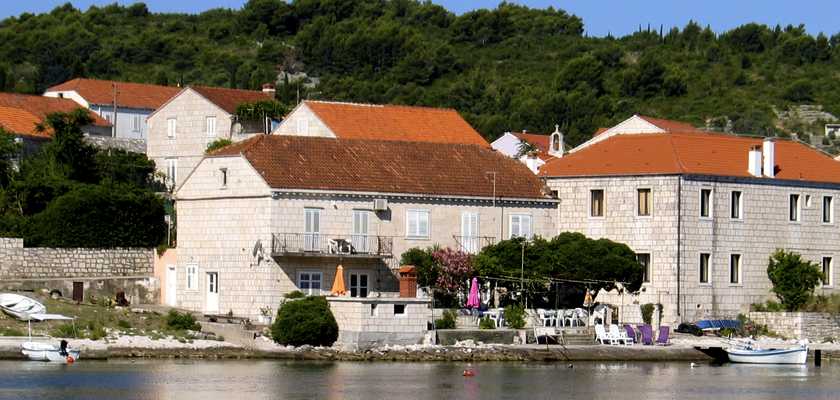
[{"x": 510, "y": 68}]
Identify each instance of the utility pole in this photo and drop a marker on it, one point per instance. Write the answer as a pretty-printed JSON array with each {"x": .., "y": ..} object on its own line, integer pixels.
[{"x": 114, "y": 123}]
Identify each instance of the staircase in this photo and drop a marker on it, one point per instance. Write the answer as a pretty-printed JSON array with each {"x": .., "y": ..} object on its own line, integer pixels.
[{"x": 578, "y": 336}]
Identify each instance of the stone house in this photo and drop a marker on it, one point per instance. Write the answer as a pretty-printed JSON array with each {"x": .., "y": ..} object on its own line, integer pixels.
[
  {"x": 133, "y": 101},
  {"x": 703, "y": 211},
  {"x": 181, "y": 129},
  {"x": 277, "y": 213},
  {"x": 635, "y": 125},
  {"x": 547, "y": 147},
  {"x": 378, "y": 122}
]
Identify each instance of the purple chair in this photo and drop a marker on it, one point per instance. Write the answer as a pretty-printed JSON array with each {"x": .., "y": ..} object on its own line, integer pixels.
[
  {"x": 647, "y": 334},
  {"x": 631, "y": 333},
  {"x": 662, "y": 339}
]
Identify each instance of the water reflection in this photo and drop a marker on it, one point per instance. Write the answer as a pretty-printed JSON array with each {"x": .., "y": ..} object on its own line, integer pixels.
[{"x": 240, "y": 380}]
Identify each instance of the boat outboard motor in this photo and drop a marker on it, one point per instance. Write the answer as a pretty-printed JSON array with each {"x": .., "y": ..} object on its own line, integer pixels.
[{"x": 62, "y": 349}]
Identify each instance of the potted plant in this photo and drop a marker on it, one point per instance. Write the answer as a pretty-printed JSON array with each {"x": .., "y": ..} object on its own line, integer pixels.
[{"x": 265, "y": 316}]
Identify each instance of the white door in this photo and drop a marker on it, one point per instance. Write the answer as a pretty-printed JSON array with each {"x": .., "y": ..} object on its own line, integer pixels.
[
  {"x": 469, "y": 232},
  {"x": 360, "y": 241},
  {"x": 171, "y": 285},
  {"x": 212, "y": 303},
  {"x": 312, "y": 229}
]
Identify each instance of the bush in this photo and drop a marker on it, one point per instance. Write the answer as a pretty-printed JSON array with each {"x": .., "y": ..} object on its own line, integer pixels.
[
  {"x": 515, "y": 316},
  {"x": 793, "y": 278},
  {"x": 487, "y": 323},
  {"x": 307, "y": 321},
  {"x": 769, "y": 306},
  {"x": 294, "y": 294},
  {"x": 124, "y": 324},
  {"x": 647, "y": 312},
  {"x": 424, "y": 265},
  {"x": 447, "y": 321},
  {"x": 217, "y": 144},
  {"x": 179, "y": 321}
]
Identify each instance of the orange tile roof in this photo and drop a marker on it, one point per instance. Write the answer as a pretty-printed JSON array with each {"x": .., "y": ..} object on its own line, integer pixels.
[
  {"x": 22, "y": 112},
  {"x": 694, "y": 153},
  {"x": 385, "y": 166},
  {"x": 129, "y": 94},
  {"x": 539, "y": 141},
  {"x": 390, "y": 122},
  {"x": 229, "y": 99}
]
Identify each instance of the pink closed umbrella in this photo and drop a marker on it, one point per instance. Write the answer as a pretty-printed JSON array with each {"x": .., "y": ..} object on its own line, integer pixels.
[{"x": 473, "y": 301}]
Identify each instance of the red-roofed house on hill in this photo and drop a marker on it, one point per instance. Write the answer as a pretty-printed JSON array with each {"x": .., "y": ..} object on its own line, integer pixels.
[
  {"x": 134, "y": 102},
  {"x": 379, "y": 122},
  {"x": 181, "y": 128},
  {"x": 278, "y": 213},
  {"x": 635, "y": 125},
  {"x": 545, "y": 147},
  {"x": 703, "y": 211}
]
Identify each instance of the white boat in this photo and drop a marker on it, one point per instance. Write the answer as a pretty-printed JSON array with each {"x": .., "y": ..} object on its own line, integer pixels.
[
  {"x": 20, "y": 307},
  {"x": 47, "y": 352},
  {"x": 748, "y": 352}
]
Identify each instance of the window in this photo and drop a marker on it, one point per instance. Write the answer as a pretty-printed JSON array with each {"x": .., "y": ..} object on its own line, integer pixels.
[
  {"x": 828, "y": 271},
  {"x": 704, "y": 267},
  {"x": 399, "y": 309},
  {"x": 171, "y": 171},
  {"x": 303, "y": 127},
  {"x": 794, "y": 207},
  {"x": 520, "y": 226},
  {"x": 312, "y": 229},
  {"x": 309, "y": 282},
  {"x": 135, "y": 123},
  {"x": 192, "y": 276},
  {"x": 596, "y": 203},
  {"x": 210, "y": 126},
  {"x": 705, "y": 203},
  {"x": 828, "y": 210},
  {"x": 644, "y": 259},
  {"x": 807, "y": 201},
  {"x": 223, "y": 177},
  {"x": 735, "y": 205},
  {"x": 358, "y": 285},
  {"x": 469, "y": 232},
  {"x": 735, "y": 269},
  {"x": 417, "y": 223},
  {"x": 373, "y": 311},
  {"x": 359, "y": 239},
  {"x": 645, "y": 203},
  {"x": 171, "y": 127}
]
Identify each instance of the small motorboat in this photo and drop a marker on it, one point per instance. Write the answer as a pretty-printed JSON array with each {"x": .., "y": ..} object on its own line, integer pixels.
[
  {"x": 749, "y": 352},
  {"x": 20, "y": 307},
  {"x": 48, "y": 352}
]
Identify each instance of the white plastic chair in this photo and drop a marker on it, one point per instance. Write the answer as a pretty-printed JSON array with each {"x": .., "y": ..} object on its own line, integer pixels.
[
  {"x": 601, "y": 335},
  {"x": 570, "y": 318},
  {"x": 618, "y": 336}
]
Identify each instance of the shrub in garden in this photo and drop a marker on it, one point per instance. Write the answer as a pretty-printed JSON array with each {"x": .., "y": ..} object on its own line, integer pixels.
[
  {"x": 182, "y": 321},
  {"x": 647, "y": 312},
  {"x": 294, "y": 294},
  {"x": 307, "y": 321},
  {"x": 793, "y": 278},
  {"x": 515, "y": 316},
  {"x": 486, "y": 323},
  {"x": 447, "y": 320}
]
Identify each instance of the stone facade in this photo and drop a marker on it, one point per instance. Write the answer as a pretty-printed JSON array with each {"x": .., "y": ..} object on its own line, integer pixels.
[
  {"x": 816, "y": 327},
  {"x": 18, "y": 262},
  {"x": 369, "y": 322},
  {"x": 229, "y": 230},
  {"x": 675, "y": 235},
  {"x": 303, "y": 122}
]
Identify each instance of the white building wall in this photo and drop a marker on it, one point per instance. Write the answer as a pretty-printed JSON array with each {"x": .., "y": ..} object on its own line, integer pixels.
[
  {"x": 507, "y": 144},
  {"x": 303, "y": 122},
  {"x": 130, "y": 122}
]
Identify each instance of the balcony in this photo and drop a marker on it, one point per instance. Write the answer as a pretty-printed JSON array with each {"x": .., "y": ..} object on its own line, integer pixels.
[
  {"x": 331, "y": 245},
  {"x": 473, "y": 244}
]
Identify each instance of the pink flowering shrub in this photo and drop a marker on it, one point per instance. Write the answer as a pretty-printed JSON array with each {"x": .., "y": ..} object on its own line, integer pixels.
[{"x": 455, "y": 269}]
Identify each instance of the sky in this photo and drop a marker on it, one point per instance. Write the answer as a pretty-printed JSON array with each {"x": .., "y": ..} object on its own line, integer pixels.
[{"x": 600, "y": 17}]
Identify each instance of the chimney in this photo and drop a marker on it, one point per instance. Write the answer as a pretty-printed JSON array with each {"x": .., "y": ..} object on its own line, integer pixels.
[
  {"x": 769, "y": 156},
  {"x": 268, "y": 88},
  {"x": 556, "y": 147},
  {"x": 754, "y": 161}
]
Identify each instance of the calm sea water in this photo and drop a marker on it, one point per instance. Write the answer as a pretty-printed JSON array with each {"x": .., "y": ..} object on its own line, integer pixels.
[{"x": 241, "y": 380}]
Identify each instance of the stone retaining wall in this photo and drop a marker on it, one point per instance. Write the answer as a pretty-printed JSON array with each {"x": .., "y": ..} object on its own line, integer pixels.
[
  {"x": 800, "y": 325},
  {"x": 18, "y": 262}
]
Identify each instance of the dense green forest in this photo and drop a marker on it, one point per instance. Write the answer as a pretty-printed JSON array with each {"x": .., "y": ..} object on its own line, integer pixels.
[{"x": 510, "y": 68}]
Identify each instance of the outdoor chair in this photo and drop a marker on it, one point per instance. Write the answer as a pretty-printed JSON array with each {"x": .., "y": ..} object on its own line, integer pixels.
[
  {"x": 631, "y": 332},
  {"x": 647, "y": 334},
  {"x": 545, "y": 318},
  {"x": 601, "y": 335},
  {"x": 664, "y": 336},
  {"x": 620, "y": 337},
  {"x": 570, "y": 318}
]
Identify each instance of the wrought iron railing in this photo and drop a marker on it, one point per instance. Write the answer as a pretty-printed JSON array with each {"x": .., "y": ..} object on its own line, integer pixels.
[
  {"x": 473, "y": 244},
  {"x": 331, "y": 244}
]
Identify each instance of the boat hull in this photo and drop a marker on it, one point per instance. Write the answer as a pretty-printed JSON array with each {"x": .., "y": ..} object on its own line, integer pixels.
[
  {"x": 780, "y": 356},
  {"x": 19, "y": 306},
  {"x": 47, "y": 352}
]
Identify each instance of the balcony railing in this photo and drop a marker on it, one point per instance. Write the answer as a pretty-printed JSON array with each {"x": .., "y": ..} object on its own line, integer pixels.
[
  {"x": 473, "y": 244},
  {"x": 331, "y": 245}
]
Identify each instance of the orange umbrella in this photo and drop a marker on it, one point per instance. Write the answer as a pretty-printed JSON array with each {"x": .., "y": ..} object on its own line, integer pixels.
[{"x": 338, "y": 284}]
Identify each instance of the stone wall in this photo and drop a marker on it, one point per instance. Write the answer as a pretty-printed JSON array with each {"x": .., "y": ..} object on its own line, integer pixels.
[
  {"x": 816, "y": 327},
  {"x": 368, "y": 322},
  {"x": 18, "y": 262}
]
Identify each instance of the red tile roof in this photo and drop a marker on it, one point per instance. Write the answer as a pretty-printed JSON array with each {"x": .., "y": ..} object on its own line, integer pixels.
[
  {"x": 541, "y": 142},
  {"x": 390, "y": 122},
  {"x": 229, "y": 99},
  {"x": 382, "y": 166},
  {"x": 129, "y": 94},
  {"x": 694, "y": 153},
  {"x": 21, "y": 113}
]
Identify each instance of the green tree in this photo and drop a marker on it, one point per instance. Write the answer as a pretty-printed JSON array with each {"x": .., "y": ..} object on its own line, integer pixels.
[
  {"x": 305, "y": 321},
  {"x": 793, "y": 278},
  {"x": 424, "y": 264},
  {"x": 9, "y": 155},
  {"x": 217, "y": 144}
]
